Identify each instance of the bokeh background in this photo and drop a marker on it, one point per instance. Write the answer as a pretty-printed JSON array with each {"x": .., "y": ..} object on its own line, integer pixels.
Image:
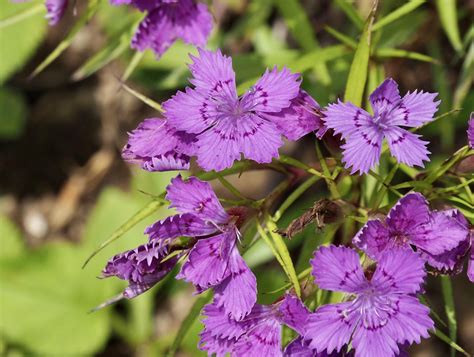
[{"x": 64, "y": 188}]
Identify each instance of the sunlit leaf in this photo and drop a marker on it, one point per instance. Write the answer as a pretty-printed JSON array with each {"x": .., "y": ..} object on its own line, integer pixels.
[
  {"x": 398, "y": 13},
  {"x": 448, "y": 16}
]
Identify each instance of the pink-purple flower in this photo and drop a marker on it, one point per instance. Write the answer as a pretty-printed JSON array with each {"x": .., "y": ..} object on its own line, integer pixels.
[
  {"x": 440, "y": 237},
  {"x": 470, "y": 131},
  {"x": 259, "y": 334},
  {"x": 169, "y": 20},
  {"x": 381, "y": 312},
  {"x": 364, "y": 133},
  {"x": 227, "y": 126},
  {"x": 55, "y": 10}
]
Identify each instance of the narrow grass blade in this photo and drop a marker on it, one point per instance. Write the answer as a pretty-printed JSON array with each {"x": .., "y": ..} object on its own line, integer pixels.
[
  {"x": 399, "y": 53},
  {"x": 358, "y": 71},
  {"x": 91, "y": 9},
  {"x": 449, "y": 308},
  {"x": 448, "y": 16},
  {"x": 450, "y": 342},
  {"x": 143, "y": 98},
  {"x": 106, "y": 55},
  {"x": 398, "y": 13},
  {"x": 346, "y": 40},
  {"x": 351, "y": 12},
  {"x": 150, "y": 208},
  {"x": 137, "y": 57},
  {"x": 188, "y": 322},
  {"x": 22, "y": 15}
]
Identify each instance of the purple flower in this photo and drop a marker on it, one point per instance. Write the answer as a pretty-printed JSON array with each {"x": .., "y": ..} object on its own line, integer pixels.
[
  {"x": 227, "y": 126},
  {"x": 55, "y": 10},
  {"x": 214, "y": 261},
  {"x": 470, "y": 131},
  {"x": 441, "y": 237},
  {"x": 364, "y": 133},
  {"x": 258, "y": 334},
  {"x": 383, "y": 311},
  {"x": 157, "y": 146},
  {"x": 142, "y": 267},
  {"x": 169, "y": 20}
]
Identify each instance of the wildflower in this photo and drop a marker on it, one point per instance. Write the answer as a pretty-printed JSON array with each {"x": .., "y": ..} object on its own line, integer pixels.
[
  {"x": 258, "y": 334},
  {"x": 169, "y": 20},
  {"x": 364, "y": 133},
  {"x": 470, "y": 131},
  {"x": 55, "y": 10},
  {"x": 439, "y": 236},
  {"x": 157, "y": 146},
  {"x": 214, "y": 261},
  {"x": 382, "y": 312},
  {"x": 226, "y": 125}
]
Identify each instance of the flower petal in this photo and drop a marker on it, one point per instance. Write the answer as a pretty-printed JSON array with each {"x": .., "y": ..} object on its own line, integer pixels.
[
  {"x": 330, "y": 328},
  {"x": 338, "y": 269},
  {"x": 196, "y": 197},
  {"x": 410, "y": 211},
  {"x": 346, "y": 119},
  {"x": 273, "y": 92},
  {"x": 407, "y": 147},
  {"x": 415, "y": 109},
  {"x": 385, "y": 97},
  {"x": 182, "y": 225},
  {"x": 373, "y": 238},
  {"x": 293, "y": 313},
  {"x": 55, "y": 10},
  {"x": 264, "y": 339}
]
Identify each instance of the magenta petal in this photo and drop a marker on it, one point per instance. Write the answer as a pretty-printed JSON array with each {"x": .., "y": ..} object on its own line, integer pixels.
[
  {"x": 249, "y": 134},
  {"x": 385, "y": 97},
  {"x": 399, "y": 271},
  {"x": 470, "y": 132},
  {"x": 410, "y": 211},
  {"x": 196, "y": 197},
  {"x": 374, "y": 342},
  {"x": 346, "y": 119},
  {"x": 208, "y": 261},
  {"x": 373, "y": 238},
  {"x": 449, "y": 262},
  {"x": 238, "y": 293},
  {"x": 273, "y": 92},
  {"x": 183, "y": 225},
  {"x": 470, "y": 264},
  {"x": 407, "y": 147},
  {"x": 330, "y": 328},
  {"x": 264, "y": 340},
  {"x": 299, "y": 119},
  {"x": 293, "y": 313},
  {"x": 55, "y": 10},
  {"x": 415, "y": 109},
  {"x": 338, "y": 269}
]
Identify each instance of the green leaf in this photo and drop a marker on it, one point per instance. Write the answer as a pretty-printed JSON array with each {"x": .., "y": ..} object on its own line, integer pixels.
[
  {"x": 449, "y": 308},
  {"x": 148, "y": 101},
  {"x": 358, "y": 72},
  {"x": 398, "y": 13},
  {"x": 143, "y": 213},
  {"x": 23, "y": 28},
  {"x": 283, "y": 252},
  {"x": 397, "y": 52},
  {"x": 85, "y": 17},
  {"x": 346, "y": 40},
  {"x": 114, "y": 49},
  {"x": 189, "y": 321},
  {"x": 352, "y": 14},
  {"x": 450, "y": 342},
  {"x": 302, "y": 30},
  {"x": 13, "y": 114},
  {"x": 448, "y": 15}
]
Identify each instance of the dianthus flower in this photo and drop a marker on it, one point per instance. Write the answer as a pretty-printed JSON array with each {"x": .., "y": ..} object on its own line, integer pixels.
[
  {"x": 382, "y": 312},
  {"x": 227, "y": 126},
  {"x": 364, "y": 133},
  {"x": 169, "y": 20},
  {"x": 440, "y": 237},
  {"x": 55, "y": 10},
  {"x": 214, "y": 260},
  {"x": 258, "y": 334}
]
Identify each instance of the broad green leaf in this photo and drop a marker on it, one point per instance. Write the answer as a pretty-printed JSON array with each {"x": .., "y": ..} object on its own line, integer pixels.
[
  {"x": 448, "y": 16},
  {"x": 107, "y": 54},
  {"x": 13, "y": 112},
  {"x": 11, "y": 244},
  {"x": 358, "y": 72},
  {"x": 80, "y": 23},
  {"x": 193, "y": 314},
  {"x": 22, "y": 29},
  {"x": 302, "y": 30},
  {"x": 351, "y": 12},
  {"x": 45, "y": 298},
  {"x": 398, "y": 13}
]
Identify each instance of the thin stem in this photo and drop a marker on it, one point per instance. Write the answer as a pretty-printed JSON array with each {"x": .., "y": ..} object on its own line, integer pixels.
[{"x": 329, "y": 180}]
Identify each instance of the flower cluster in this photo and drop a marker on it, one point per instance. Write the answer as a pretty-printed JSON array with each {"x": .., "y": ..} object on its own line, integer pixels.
[{"x": 380, "y": 313}]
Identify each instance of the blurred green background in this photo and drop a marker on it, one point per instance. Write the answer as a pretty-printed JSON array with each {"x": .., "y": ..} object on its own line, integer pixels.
[{"x": 64, "y": 188}]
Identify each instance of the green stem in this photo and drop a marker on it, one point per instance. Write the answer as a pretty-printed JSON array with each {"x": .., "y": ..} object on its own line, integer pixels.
[
  {"x": 329, "y": 181},
  {"x": 449, "y": 308}
]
